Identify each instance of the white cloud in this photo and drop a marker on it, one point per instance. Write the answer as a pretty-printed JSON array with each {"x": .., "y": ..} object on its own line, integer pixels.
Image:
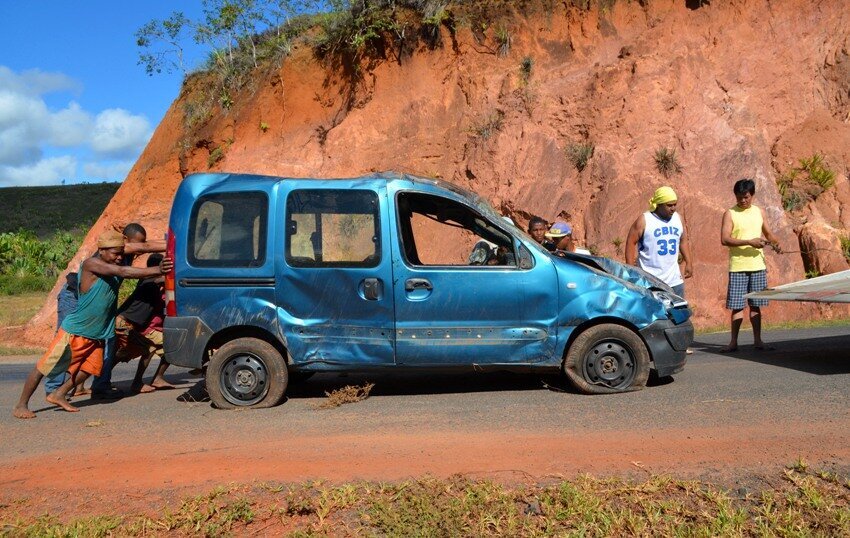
[
  {"x": 30, "y": 129},
  {"x": 70, "y": 127},
  {"x": 119, "y": 133},
  {"x": 48, "y": 171},
  {"x": 36, "y": 82},
  {"x": 107, "y": 170}
]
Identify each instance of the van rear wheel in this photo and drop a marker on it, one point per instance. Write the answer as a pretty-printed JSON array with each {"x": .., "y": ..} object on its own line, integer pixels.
[
  {"x": 246, "y": 372},
  {"x": 607, "y": 358}
]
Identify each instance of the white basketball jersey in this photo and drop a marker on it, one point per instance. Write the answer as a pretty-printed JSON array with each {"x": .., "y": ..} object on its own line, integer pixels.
[{"x": 659, "y": 248}]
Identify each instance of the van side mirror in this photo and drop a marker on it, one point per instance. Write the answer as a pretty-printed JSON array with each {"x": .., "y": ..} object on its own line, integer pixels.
[{"x": 526, "y": 260}]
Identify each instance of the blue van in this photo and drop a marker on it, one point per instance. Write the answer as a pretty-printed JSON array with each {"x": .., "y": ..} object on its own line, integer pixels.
[{"x": 276, "y": 279}]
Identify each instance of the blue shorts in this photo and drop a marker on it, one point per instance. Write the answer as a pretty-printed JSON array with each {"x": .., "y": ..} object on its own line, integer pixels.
[{"x": 742, "y": 283}]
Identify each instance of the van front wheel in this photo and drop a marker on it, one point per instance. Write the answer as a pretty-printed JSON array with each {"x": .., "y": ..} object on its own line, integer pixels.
[
  {"x": 246, "y": 372},
  {"x": 607, "y": 358}
]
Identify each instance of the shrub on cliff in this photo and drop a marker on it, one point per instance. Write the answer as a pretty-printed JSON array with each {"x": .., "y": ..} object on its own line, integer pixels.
[{"x": 804, "y": 183}]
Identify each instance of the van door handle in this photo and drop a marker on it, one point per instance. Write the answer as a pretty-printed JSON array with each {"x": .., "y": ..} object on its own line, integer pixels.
[
  {"x": 372, "y": 289},
  {"x": 413, "y": 284}
]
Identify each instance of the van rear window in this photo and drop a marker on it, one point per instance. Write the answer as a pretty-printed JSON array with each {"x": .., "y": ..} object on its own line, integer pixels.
[
  {"x": 229, "y": 230},
  {"x": 332, "y": 228}
]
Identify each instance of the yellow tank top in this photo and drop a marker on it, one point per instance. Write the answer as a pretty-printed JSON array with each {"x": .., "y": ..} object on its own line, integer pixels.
[{"x": 746, "y": 224}]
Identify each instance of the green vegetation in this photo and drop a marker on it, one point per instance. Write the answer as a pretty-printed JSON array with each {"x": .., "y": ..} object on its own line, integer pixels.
[
  {"x": 42, "y": 229},
  {"x": 248, "y": 36},
  {"x": 667, "y": 162},
  {"x": 525, "y": 68},
  {"x": 44, "y": 210},
  {"x": 618, "y": 245},
  {"x": 818, "y": 173},
  {"x": 29, "y": 264},
  {"x": 800, "y": 502},
  {"x": 216, "y": 155},
  {"x": 489, "y": 126},
  {"x": 580, "y": 154},
  {"x": 503, "y": 41},
  {"x": 845, "y": 246},
  {"x": 804, "y": 183}
]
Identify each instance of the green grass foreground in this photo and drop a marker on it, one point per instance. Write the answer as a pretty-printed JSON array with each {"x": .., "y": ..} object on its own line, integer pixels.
[{"x": 801, "y": 502}]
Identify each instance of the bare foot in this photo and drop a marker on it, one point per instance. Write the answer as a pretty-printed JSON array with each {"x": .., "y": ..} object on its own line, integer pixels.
[
  {"x": 142, "y": 389},
  {"x": 728, "y": 349},
  {"x": 23, "y": 412},
  {"x": 162, "y": 384},
  {"x": 61, "y": 402},
  {"x": 82, "y": 392}
]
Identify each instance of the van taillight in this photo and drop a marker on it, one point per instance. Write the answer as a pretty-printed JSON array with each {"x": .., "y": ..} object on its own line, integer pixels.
[{"x": 170, "y": 299}]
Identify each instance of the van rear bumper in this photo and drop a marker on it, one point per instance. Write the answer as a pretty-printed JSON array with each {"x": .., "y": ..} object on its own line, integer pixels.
[
  {"x": 184, "y": 340},
  {"x": 668, "y": 344}
]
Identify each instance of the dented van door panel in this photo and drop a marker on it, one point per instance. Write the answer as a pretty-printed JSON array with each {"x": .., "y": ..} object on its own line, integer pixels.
[{"x": 334, "y": 267}]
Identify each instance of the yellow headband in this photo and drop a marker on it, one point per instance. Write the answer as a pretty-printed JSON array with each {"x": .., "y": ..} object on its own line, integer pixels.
[{"x": 663, "y": 195}]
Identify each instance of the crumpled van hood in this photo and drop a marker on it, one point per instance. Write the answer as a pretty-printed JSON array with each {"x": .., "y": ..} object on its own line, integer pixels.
[{"x": 631, "y": 274}]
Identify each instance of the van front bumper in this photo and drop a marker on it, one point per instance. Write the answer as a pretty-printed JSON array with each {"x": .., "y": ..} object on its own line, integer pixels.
[
  {"x": 668, "y": 344},
  {"x": 184, "y": 341}
]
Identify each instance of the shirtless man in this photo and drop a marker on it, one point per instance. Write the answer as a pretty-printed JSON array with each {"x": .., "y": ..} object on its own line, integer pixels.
[
  {"x": 135, "y": 242},
  {"x": 78, "y": 345}
]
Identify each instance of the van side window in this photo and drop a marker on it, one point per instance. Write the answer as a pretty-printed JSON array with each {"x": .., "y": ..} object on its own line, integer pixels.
[
  {"x": 437, "y": 231},
  {"x": 333, "y": 228},
  {"x": 229, "y": 230}
]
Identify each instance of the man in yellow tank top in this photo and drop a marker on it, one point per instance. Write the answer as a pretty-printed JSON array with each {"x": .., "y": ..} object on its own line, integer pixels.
[{"x": 742, "y": 230}]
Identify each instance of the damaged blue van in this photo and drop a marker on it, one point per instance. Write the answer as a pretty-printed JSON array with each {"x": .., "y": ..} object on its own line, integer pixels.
[{"x": 276, "y": 279}]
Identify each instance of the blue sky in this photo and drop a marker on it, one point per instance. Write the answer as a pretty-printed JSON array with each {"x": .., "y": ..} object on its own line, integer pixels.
[{"x": 74, "y": 104}]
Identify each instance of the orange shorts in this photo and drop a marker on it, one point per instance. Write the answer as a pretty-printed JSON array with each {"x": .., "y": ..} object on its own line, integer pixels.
[{"x": 71, "y": 353}]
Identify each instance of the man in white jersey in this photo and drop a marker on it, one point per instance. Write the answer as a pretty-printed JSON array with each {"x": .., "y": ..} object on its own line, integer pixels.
[{"x": 657, "y": 237}]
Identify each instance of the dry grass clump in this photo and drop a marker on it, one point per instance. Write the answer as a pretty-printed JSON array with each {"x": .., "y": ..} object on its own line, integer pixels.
[
  {"x": 799, "y": 501},
  {"x": 345, "y": 395},
  {"x": 580, "y": 154},
  {"x": 667, "y": 162}
]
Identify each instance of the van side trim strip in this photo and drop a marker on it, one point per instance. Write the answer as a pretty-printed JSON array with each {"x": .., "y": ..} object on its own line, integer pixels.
[{"x": 227, "y": 282}]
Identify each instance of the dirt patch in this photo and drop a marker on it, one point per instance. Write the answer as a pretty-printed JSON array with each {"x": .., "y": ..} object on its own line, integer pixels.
[{"x": 179, "y": 466}]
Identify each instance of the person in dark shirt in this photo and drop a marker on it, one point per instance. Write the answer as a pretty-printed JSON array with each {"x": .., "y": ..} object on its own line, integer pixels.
[{"x": 138, "y": 327}]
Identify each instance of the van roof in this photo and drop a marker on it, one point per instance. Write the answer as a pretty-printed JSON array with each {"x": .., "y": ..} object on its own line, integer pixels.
[{"x": 387, "y": 177}]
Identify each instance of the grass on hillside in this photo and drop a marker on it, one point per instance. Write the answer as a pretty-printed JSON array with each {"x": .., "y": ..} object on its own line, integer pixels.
[
  {"x": 799, "y": 502},
  {"x": 46, "y": 210}
]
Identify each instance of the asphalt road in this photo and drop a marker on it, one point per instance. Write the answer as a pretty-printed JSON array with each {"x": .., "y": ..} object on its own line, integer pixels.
[{"x": 750, "y": 410}]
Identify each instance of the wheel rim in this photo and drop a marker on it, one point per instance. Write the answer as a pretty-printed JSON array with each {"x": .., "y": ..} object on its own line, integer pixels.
[
  {"x": 244, "y": 379},
  {"x": 610, "y": 364}
]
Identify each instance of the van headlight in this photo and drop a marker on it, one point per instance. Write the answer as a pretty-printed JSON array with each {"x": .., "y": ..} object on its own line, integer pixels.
[
  {"x": 664, "y": 298},
  {"x": 669, "y": 300}
]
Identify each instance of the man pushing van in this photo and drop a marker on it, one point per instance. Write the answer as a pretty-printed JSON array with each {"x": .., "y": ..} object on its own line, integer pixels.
[{"x": 78, "y": 345}]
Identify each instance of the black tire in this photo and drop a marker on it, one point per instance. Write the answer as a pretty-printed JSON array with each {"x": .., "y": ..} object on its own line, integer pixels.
[
  {"x": 246, "y": 372},
  {"x": 607, "y": 358},
  {"x": 299, "y": 377}
]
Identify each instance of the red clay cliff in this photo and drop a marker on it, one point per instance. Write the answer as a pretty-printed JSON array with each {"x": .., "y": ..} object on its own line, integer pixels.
[{"x": 738, "y": 89}]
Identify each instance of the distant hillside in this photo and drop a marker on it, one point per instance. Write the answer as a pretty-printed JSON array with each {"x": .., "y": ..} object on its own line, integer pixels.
[{"x": 45, "y": 210}]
